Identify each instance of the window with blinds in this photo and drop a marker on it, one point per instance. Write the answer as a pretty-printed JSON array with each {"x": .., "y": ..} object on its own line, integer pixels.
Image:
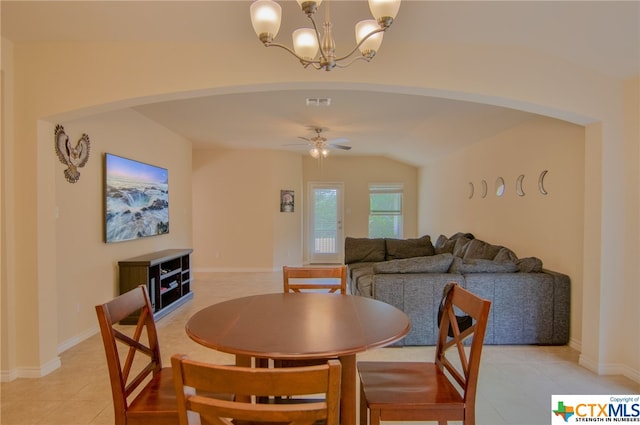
[{"x": 385, "y": 211}]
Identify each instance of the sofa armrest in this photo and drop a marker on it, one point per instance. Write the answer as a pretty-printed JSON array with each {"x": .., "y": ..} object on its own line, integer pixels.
[
  {"x": 418, "y": 295},
  {"x": 561, "y": 306}
]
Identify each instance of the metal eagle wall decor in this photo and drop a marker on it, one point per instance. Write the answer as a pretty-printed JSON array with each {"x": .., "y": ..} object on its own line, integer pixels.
[{"x": 73, "y": 157}]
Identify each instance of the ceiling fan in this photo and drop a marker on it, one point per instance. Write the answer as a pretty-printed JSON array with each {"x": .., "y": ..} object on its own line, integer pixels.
[{"x": 320, "y": 145}]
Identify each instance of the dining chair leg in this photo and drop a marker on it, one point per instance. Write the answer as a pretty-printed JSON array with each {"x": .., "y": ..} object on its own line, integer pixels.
[
  {"x": 348, "y": 407},
  {"x": 470, "y": 417},
  {"x": 374, "y": 417},
  {"x": 363, "y": 407}
]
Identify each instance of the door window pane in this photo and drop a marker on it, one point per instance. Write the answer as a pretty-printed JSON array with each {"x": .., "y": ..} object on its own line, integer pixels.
[{"x": 325, "y": 221}]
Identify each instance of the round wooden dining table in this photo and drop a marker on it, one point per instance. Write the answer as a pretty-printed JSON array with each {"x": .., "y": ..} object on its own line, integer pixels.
[{"x": 301, "y": 326}]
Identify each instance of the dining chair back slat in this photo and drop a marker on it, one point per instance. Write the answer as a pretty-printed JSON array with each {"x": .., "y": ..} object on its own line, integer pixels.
[
  {"x": 329, "y": 279},
  {"x": 194, "y": 379}
]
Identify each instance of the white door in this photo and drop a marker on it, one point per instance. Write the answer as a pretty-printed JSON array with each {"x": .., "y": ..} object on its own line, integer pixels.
[{"x": 325, "y": 234}]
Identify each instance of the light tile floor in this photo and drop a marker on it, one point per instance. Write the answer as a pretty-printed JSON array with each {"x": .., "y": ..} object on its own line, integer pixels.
[{"x": 515, "y": 387}]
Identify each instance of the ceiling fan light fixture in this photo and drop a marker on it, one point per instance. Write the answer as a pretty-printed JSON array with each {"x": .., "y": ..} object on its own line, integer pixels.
[{"x": 315, "y": 153}]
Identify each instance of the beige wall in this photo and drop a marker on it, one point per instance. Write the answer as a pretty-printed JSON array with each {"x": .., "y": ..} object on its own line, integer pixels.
[
  {"x": 236, "y": 210},
  {"x": 87, "y": 267},
  {"x": 7, "y": 294},
  {"x": 114, "y": 75},
  {"x": 545, "y": 226},
  {"x": 357, "y": 172},
  {"x": 631, "y": 292},
  {"x": 237, "y": 221}
]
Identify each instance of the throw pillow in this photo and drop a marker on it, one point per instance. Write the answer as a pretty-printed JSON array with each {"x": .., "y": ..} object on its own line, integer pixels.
[
  {"x": 462, "y": 235},
  {"x": 481, "y": 249},
  {"x": 505, "y": 254},
  {"x": 363, "y": 250},
  {"x": 479, "y": 265},
  {"x": 409, "y": 248},
  {"x": 461, "y": 246},
  {"x": 529, "y": 265},
  {"x": 444, "y": 245},
  {"x": 433, "y": 264}
]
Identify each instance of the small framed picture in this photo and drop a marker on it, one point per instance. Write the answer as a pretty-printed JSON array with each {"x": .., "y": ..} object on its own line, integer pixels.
[{"x": 287, "y": 201}]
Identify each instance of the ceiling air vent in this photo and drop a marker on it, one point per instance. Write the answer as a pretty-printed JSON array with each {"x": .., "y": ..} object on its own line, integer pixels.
[{"x": 318, "y": 101}]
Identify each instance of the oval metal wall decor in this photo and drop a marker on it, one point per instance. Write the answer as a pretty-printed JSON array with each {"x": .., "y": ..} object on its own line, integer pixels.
[
  {"x": 500, "y": 186},
  {"x": 519, "y": 189},
  {"x": 541, "y": 182}
]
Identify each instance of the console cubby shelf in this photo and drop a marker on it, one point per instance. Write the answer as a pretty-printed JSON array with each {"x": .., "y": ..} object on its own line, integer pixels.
[{"x": 167, "y": 275}]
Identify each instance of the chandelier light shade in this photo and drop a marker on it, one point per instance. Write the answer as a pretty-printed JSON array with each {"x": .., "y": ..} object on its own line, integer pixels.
[
  {"x": 368, "y": 45},
  {"x": 384, "y": 9},
  {"x": 305, "y": 43},
  {"x": 266, "y": 16},
  {"x": 319, "y": 51}
]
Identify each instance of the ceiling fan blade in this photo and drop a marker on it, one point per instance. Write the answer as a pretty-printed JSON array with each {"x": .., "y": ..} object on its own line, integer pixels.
[
  {"x": 295, "y": 144},
  {"x": 304, "y": 138},
  {"x": 339, "y": 140},
  {"x": 343, "y": 147}
]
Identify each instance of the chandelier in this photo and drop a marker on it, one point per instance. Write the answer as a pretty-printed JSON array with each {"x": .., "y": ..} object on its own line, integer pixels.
[{"x": 318, "y": 51}]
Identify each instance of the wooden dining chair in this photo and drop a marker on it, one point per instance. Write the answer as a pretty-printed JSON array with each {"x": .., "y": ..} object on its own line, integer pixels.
[
  {"x": 193, "y": 378},
  {"x": 327, "y": 279},
  {"x": 426, "y": 391},
  {"x": 142, "y": 390},
  {"x": 155, "y": 401},
  {"x": 315, "y": 279}
]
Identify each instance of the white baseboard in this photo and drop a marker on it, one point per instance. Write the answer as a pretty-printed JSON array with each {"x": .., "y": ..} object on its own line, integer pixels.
[
  {"x": 232, "y": 270},
  {"x": 31, "y": 372},
  {"x": 8, "y": 375},
  {"x": 609, "y": 368},
  {"x": 632, "y": 374},
  {"x": 73, "y": 341},
  {"x": 50, "y": 366},
  {"x": 575, "y": 344}
]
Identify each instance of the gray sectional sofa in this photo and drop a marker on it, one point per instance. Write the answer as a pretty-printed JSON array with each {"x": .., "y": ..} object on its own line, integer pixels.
[{"x": 529, "y": 304}]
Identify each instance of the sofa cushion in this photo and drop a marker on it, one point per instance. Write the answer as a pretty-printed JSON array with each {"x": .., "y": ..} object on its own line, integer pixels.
[
  {"x": 481, "y": 265},
  {"x": 364, "y": 250},
  {"x": 432, "y": 264},
  {"x": 364, "y": 286},
  {"x": 529, "y": 265},
  {"x": 409, "y": 248},
  {"x": 481, "y": 249},
  {"x": 359, "y": 275}
]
